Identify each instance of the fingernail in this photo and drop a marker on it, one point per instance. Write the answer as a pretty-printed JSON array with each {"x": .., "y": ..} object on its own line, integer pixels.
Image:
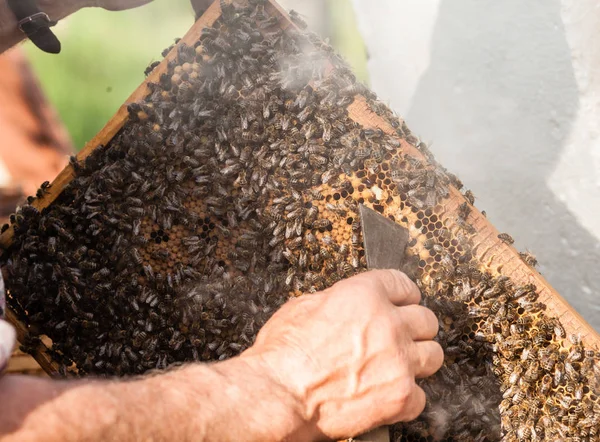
[{"x": 7, "y": 342}]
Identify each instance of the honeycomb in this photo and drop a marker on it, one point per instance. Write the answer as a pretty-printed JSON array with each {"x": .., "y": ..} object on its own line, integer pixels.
[{"x": 233, "y": 185}]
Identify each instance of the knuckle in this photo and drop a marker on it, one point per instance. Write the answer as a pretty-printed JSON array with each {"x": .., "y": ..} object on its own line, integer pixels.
[
  {"x": 406, "y": 286},
  {"x": 404, "y": 282},
  {"x": 367, "y": 287},
  {"x": 377, "y": 280},
  {"x": 357, "y": 285},
  {"x": 388, "y": 277}
]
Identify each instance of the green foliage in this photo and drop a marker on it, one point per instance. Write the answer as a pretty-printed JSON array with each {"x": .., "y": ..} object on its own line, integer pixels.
[{"x": 104, "y": 55}]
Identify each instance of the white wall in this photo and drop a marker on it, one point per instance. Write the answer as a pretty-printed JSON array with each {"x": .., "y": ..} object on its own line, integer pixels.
[{"x": 508, "y": 94}]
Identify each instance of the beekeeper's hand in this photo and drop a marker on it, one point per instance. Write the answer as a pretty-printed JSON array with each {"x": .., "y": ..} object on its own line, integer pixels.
[
  {"x": 326, "y": 366},
  {"x": 351, "y": 354}
]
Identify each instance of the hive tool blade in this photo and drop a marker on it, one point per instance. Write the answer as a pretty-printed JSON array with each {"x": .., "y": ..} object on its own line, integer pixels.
[
  {"x": 385, "y": 243},
  {"x": 384, "y": 240}
]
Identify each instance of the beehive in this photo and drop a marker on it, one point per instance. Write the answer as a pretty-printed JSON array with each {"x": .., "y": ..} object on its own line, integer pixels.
[{"x": 231, "y": 180}]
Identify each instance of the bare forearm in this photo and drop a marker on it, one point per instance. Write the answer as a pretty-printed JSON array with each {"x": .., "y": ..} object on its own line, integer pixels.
[
  {"x": 316, "y": 370},
  {"x": 234, "y": 400},
  {"x": 40, "y": 409},
  {"x": 229, "y": 401}
]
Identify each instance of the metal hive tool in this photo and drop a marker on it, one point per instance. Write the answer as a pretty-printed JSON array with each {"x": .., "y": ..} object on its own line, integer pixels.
[
  {"x": 384, "y": 243},
  {"x": 238, "y": 167}
]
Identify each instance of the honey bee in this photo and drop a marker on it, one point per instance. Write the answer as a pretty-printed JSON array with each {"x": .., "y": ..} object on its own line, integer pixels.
[
  {"x": 518, "y": 397},
  {"x": 571, "y": 371},
  {"x": 575, "y": 339},
  {"x": 506, "y": 238},
  {"x": 468, "y": 228},
  {"x": 559, "y": 373},
  {"x": 529, "y": 258},
  {"x": 546, "y": 384},
  {"x": 321, "y": 223},
  {"x": 469, "y": 197},
  {"x": 559, "y": 331},
  {"x": 515, "y": 375},
  {"x": 135, "y": 255},
  {"x": 477, "y": 312},
  {"x": 362, "y": 152},
  {"x": 43, "y": 190},
  {"x": 575, "y": 353},
  {"x": 532, "y": 372}
]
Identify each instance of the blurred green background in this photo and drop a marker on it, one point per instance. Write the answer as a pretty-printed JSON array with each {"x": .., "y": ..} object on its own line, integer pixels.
[{"x": 104, "y": 54}]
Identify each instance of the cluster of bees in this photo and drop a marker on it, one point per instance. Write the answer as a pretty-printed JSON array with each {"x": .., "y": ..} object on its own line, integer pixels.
[{"x": 235, "y": 184}]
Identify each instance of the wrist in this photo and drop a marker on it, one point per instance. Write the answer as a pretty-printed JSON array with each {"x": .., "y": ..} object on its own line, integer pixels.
[
  {"x": 158, "y": 407},
  {"x": 285, "y": 403},
  {"x": 282, "y": 383},
  {"x": 239, "y": 399}
]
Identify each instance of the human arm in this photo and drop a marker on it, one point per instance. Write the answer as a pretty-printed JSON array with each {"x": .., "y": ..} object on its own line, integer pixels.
[
  {"x": 328, "y": 365},
  {"x": 10, "y": 35},
  {"x": 232, "y": 400}
]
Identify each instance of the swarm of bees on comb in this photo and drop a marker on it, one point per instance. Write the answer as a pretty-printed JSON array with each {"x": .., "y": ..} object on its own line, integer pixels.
[{"x": 235, "y": 184}]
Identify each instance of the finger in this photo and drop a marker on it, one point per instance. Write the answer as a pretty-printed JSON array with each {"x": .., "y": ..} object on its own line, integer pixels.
[
  {"x": 392, "y": 284},
  {"x": 413, "y": 406},
  {"x": 422, "y": 324},
  {"x": 429, "y": 358}
]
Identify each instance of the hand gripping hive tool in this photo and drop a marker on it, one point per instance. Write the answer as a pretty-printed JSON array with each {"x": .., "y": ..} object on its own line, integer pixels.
[{"x": 385, "y": 243}]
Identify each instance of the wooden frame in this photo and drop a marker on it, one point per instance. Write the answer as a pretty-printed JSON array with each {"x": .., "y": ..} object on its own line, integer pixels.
[{"x": 497, "y": 255}]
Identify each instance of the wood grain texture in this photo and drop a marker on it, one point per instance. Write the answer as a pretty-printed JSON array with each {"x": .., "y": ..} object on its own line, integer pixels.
[
  {"x": 23, "y": 363},
  {"x": 41, "y": 353}
]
